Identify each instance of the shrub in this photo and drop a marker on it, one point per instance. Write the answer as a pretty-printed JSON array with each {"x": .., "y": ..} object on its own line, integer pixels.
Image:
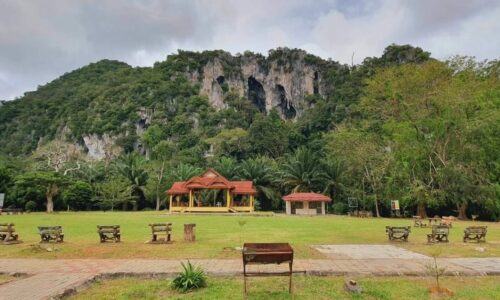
[
  {"x": 30, "y": 206},
  {"x": 190, "y": 278},
  {"x": 340, "y": 208}
]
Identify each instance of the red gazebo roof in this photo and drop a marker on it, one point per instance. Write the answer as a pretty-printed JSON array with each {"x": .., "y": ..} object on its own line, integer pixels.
[
  {"x": 309, "y": 197},
  {"x": 211, "y": 180}
]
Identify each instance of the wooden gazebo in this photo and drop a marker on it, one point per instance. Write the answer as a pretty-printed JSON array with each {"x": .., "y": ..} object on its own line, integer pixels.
[
  {"x": 305, "y": 203},
  {"x": 211, "y": 192}
]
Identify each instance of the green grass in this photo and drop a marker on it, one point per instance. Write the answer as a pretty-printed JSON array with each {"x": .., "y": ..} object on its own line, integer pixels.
[
  {"x": 5, "y": 278},
  {"x": 215, "y": 232},
  {"x": 305, "y": 287}
]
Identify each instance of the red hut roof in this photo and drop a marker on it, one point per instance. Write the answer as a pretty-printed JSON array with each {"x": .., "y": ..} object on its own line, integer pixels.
[
  {"x": 309, "y": 197},
  {"x": 211, "y": 180}
]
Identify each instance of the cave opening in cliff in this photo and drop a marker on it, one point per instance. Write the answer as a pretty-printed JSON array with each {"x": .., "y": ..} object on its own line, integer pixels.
[
  {"x": 287, "y": 110},
  {"x": 220, "y": 80},
  {"x": 316, "y": 83},
  {"x": 256, "y": 93}
]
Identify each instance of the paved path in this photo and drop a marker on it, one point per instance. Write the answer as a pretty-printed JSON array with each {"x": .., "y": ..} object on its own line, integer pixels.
[{"x": 51, "y": 278}]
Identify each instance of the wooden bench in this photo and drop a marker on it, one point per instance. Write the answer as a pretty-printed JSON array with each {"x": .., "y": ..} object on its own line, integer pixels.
[
  {"x": 418, "y": 222},
  {"x": 397, "y": 233},
  {"x": 439, "y": 234},
  {"x": 448, "y": 221},
  {"x": 12, "y": 211},
  {"x": 51, "y": 233},
  {"x": 8, "y": 234},
  {"x": 109, "y": 232},
  {"x": 477, "y": 233},
  {"x": 158, "y": 229}
]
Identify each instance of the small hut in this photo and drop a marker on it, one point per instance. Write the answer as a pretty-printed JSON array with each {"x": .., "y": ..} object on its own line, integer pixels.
[{"x": 305, "y": 203}]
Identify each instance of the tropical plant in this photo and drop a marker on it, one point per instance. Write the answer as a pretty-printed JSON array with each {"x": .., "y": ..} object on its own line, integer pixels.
[
  {"x": 114, "y": 192},
  {"x": 184, "y": 172},
  {"x": 190, "y": 278},
  {"x": 301, "y": 172},
  {"x": 261, "y": 171},
  {"x": 131, "y": 166},
  {"x": 227, "y": 167},
  {"x": 334, "y": 171}
]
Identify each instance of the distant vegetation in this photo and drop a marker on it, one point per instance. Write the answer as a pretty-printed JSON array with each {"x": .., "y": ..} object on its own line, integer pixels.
[{"x": 403, "y": 126}]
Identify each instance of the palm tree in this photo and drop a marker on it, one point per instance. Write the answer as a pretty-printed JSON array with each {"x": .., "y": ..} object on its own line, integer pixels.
[
  {"x": 132, "y": 167},
  {"x": 261, "y": 172},
  {"x": 333, "y": 171},
  {"x": 227, "y": 167},
  {"x": 301, "y": 172},
  {"x": 184, "y": 172}
]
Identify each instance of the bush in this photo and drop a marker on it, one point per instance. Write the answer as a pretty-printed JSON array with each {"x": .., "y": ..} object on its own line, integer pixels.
[
  {"x": 30, "y": 206},
  {"x": 339, "y": 208},
  {"x": 190, "y": 278}
]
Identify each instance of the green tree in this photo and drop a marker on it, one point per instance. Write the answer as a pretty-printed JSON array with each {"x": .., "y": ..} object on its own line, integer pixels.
[
  {"x": 132, "y": 167},
  {"x": 334, "y": 171},
  {"x": 227, "y": 167},
  {"x": 268, "y": 135},
  {"x": 78, "y": 195},
  {"x": 231, "y": 142},
  {"x": 50, "y": 183},
  {"x": 184, "y": 172},
  {"x": 114, "y": 192},
  {"x": 301, "y": 172},
  {"x": 261, "y": 171}
]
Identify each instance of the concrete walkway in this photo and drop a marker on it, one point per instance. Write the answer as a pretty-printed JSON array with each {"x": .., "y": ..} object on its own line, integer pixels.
[{"x": 52, "y": 278}]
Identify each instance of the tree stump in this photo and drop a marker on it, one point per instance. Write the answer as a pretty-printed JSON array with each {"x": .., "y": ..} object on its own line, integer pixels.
[{"x": 189, "y": 232}]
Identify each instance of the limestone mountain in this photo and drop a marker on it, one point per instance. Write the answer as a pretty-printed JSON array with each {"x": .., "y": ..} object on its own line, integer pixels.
[{"x": 108, "y": 107}]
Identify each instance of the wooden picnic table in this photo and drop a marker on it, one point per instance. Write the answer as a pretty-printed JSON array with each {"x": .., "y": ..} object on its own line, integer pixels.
[{"x": 267, "y": 253}]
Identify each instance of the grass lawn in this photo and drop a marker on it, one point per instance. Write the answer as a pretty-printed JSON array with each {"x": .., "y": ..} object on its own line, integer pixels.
[
  {"x": 5, "y": 278},
  {"x": 305, "y": 287},
  {"x": 215, "y": 232}
]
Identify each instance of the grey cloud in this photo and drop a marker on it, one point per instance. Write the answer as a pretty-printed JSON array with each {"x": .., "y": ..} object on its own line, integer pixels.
[{"x": 40, "y": 40}]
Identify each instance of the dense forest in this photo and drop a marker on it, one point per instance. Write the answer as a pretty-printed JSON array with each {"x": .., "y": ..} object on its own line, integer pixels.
[{"x": 403, "y": 126}]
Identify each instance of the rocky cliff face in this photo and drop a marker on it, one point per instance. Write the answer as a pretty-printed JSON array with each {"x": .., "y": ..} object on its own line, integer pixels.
[{"x": 270, "y": 83}]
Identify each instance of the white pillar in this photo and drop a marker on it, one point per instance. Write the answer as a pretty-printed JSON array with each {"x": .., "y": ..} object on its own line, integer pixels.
[
  {"x": 322, "y": 208},
  {"x": 288, "y": 206}
]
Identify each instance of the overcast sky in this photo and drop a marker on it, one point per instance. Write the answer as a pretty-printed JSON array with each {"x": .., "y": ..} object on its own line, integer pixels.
[{"x": 40, "y": 40}]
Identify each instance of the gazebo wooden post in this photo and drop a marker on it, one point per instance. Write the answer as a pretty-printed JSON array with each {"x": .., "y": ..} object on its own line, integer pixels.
[
  {"x": 170, "y": 198},
  {"x": 228, "y": 198},
  {"x": 191, "y": 198},
  {"x": 322, "y": 208},
  {"x": 251, "y": 203}
]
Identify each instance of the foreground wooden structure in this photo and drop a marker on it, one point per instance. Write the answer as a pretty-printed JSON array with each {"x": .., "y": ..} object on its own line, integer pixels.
[
  {"x": 475, "y": 233},
  {"x": 439, "y": 234},
  {"x": 398, "y": 233},
  {"x": 51, "y": 233},
  {"x": 161, "y": 229},
  {"x": 211, "y": 192},
  {"x": 109, "y": 233},
  {"x": 267, "y": 253},
  {"x": 8, "y": 235}
]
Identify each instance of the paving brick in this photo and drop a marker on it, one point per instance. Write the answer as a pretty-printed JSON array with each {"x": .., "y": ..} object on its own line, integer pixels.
[{"x": 48, "y": 278}]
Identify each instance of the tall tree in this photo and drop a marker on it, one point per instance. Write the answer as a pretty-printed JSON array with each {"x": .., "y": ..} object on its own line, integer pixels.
[
  {"x": 301, "y": 172},
  {"x": 131, "y": 166},
  {"x": 48, "y": 182},
  {"x": 261, "y": 171}
]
